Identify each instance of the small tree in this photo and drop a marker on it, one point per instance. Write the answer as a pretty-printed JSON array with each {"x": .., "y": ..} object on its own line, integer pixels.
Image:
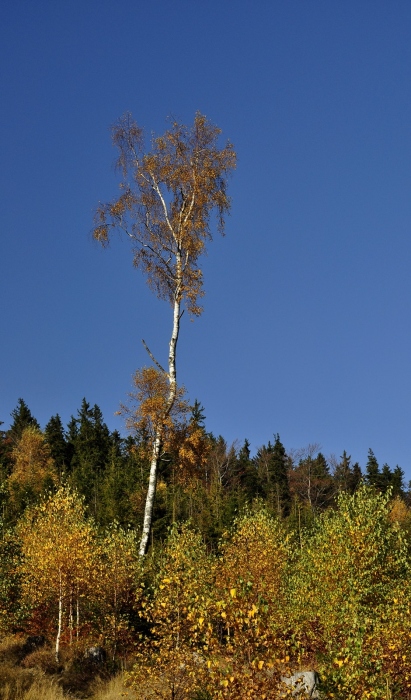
[
  {"x": 165, "y": 205},
  {"x": 119, "y": 584},
  {"x": 171, "y": 661},
  {"x": 352, "y": 569},
  {"x": 58, "y": 560},
  {"x": 33, "y": 469}
]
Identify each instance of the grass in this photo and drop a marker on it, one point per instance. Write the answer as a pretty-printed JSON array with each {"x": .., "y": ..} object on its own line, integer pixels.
[{"x": 36, "y": 676}]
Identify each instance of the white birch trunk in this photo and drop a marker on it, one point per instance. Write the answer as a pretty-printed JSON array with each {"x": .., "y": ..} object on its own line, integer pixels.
[
  {"x": 77, "y": 614},
  {"x": 60, "y": 617},
  {"x": 156, "y": 453},
  {"x": 71, "y": 618}
]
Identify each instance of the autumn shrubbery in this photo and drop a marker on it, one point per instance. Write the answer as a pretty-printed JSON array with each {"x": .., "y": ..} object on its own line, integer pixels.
[
  {"x": 207, "y": 624},
  {"x": 232, "y": 624}
]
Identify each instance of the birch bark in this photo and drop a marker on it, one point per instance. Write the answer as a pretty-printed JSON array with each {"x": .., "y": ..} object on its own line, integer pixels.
[
  {"x": 60, "y": 616},
  {"x": 156, "y": 454},
  {"x": 166, "y": 199}
]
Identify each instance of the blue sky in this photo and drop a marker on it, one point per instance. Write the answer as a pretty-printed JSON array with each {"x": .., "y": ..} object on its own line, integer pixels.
[{"x": 307, "y": 322}]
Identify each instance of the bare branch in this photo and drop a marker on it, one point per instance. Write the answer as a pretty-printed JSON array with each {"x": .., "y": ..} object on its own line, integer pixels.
[{"x": 153, "y": 358}]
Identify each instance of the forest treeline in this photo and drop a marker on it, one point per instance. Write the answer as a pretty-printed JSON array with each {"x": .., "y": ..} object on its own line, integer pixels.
[
  {"x": 202, "y": 479},
  {"x": 258, "y": 565}
]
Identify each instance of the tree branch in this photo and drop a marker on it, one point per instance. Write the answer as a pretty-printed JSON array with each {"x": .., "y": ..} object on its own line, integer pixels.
[{"x": 153, "y": 358}]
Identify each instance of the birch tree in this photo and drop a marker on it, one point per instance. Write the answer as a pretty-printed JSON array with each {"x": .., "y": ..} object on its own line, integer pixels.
[
  {"x": 167, "y": 198},
  {"x": 58, "y": 560}
]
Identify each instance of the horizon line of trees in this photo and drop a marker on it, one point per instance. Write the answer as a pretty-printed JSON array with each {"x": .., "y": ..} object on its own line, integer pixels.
[{"x": 201, "y": 477}]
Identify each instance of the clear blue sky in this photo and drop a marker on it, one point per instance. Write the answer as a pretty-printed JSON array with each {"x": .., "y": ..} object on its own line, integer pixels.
[{"x": 307, "y": 322}]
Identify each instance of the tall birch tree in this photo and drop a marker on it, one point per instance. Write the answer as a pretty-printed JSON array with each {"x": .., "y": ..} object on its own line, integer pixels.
[{"x": 167, "y": 198}]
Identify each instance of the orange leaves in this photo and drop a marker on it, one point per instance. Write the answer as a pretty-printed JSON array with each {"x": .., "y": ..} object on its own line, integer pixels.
[
  {"x": 167, "y": 198},
  {"x": 149, "y": 409}
]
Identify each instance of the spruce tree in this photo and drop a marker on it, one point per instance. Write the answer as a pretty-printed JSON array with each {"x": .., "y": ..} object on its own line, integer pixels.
[
  {"x": 385, "y": 478},
  {"x": 342, "y": 473},
  {"x": 22, "y": 418},
  {"x": 90, "y": 438},
  {"x": 373, "y": 474},
  {"x": 272, "y": 467},
  {"x": 356, "y": 478},
  {"x": 247, "y": 472},
  {"x": 397, "y": 482},
  {"x": 5, "y": 455},
  {"x": 56, "y": 439}
]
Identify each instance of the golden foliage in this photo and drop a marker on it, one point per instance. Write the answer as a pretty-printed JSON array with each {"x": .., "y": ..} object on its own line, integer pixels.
[
  {"x": 59, "y": 558},
  {"x": 172, "y": 664},
  {"x": 399, "y": 513},
  {"x": 118, "y": 582},
  {"x": 33, "y": 464},
  {"x": 148, "y": 411},
  {"x": 343, "y": 598},
  {"x": 250, "y": 590},
  {"x": 167, "y": 196}
]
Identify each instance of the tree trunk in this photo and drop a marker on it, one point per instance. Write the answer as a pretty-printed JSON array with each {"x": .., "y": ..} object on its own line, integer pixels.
[
  {"x": 77, "y": 614},
  {"x": 60, "y": 617},
  {"x": 156, "y": 453},
  {"x": 71, "y": 618}
]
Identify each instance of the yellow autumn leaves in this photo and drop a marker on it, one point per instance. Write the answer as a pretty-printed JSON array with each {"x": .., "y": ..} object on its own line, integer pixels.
[
  {"x": 238, "y": 620},
  {"x": 229, "y": 622},
  {"x": 72, "y": 579}
]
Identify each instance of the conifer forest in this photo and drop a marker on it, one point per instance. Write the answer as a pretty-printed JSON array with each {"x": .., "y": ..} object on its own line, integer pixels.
[{"x": 166, "y": 563}]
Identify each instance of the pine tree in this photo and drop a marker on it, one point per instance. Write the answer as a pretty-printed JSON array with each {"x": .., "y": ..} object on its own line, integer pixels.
[
  {"x": 56, "y": 439},
  {"x": 22, "y": 418},
  {"x": 272, "y": 466},
  {"x": 247, "y": 472},
  {"x": 124, "y": 479},
  {"x": 197, "y": 415},
  {"x": 356, "y": 478},
  {"x": 385, "y": 478},
  {"x": 343, "y": 473},
  {"x": 373, "y": 474},
  {"x": 397, "y": 482},
  {"x": 90, "y": 438}
]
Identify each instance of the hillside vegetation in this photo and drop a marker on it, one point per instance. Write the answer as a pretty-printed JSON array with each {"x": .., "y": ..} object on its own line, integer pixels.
[{"x": 257, "y": 567}]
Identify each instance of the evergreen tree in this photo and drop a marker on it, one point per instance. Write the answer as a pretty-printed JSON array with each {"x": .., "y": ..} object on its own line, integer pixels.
[
  {"x": 124, "y": 482},
  {"x": 6, "y": 447},
  {"x": 385, "y": 478},
  {"x": 356, "y": 478},
  {"x": 247, "y": 472},
  {"x": 373, "y": 474},
  {"x": 197, "y": 415},
  {"x": 71, "y": 438},
  {"x": 22, "y": 418},
  {"x": 272, "y": 467},
  {"x": 90, "y": 438},
  {"x": 56, "y": 439},
  {"x": 347, "y": 478},
  {"x": 342, "y": 473},
  {"x": 397, "y": 482}
]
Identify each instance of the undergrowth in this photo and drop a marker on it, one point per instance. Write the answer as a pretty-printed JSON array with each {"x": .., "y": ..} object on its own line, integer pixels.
[{"x": 37, "y": 676}]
